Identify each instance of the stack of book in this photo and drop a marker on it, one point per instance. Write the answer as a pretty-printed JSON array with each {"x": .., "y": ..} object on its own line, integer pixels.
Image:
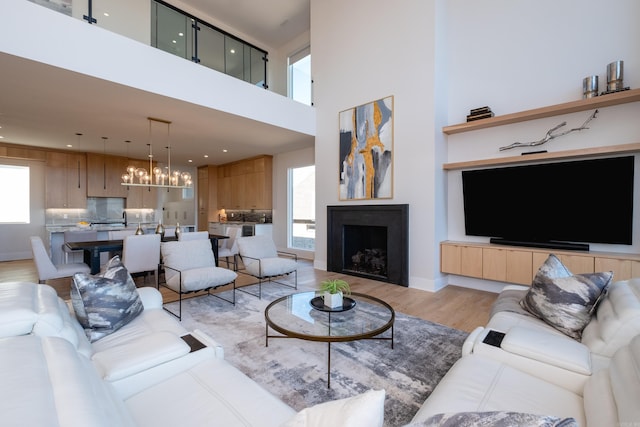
[{"x": 479, "y": 113}]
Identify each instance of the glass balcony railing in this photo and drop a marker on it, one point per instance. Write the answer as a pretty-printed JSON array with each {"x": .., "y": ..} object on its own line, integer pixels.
[
  {"x": 186, "y": 36},
  {"x": 166, "y": 27}
]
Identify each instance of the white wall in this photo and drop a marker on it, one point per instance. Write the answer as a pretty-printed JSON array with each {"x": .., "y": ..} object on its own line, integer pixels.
[
  {"x": 362, "y": 52},
  {"x": 537, "y": 54},
  {"x": 509, "y": 55},
  {"x": 104, "y": 53},
  {"x": 281, "y": 165}
]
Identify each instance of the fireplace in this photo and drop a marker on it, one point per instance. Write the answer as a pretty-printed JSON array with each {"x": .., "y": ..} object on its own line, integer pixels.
[{"x": 369, "y": 241}]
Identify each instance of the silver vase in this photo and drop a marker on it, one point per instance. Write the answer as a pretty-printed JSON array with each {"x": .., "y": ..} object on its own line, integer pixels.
[
  {"x": 139, "y": 230},
  {"x": 160, "y": 230}
]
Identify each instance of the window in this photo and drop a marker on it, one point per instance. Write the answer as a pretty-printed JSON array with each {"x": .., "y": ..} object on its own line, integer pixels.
[
  {"x": 300, "y": 76},
  {"x": 14, "y": 194},
  {"x": 302, "y": 208}
]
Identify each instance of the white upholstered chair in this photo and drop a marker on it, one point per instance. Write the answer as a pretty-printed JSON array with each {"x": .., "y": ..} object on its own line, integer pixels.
[
  {"x": 118, "y": 235},
  {"x": 47, "y": 269},
  {"x": 189, "y": 266},
  {"x": 193, "y": 235},
  {"x": 263, "y": 261},
  {"x": 76, "y": 236},
  {"x": 141, "y": 254},
  {"x": 121, "y": 234},
  {"x": 229, "y": 247}
]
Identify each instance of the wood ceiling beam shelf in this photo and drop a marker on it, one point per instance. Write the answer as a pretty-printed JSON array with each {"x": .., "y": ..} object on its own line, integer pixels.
[{"x": 601, "y": 101}]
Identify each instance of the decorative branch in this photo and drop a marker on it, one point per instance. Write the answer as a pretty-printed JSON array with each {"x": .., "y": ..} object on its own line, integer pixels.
[{"x": 549, "y": 135}]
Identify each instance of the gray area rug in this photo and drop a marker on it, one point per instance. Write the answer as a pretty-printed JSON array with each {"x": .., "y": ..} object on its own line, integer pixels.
[{"x": 296, "y": 370}]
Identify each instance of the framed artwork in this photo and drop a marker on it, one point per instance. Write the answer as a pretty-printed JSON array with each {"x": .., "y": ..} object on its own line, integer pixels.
[{"x": 366, "y": 151}]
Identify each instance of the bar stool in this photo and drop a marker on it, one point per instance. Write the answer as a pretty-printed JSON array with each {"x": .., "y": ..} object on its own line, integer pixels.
[{"x": 76, "y": 236}]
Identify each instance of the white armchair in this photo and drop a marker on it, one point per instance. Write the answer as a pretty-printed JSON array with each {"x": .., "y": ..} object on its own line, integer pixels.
[
  {"x": 263, "y": 261},
  {"x": 189, "y": 266}
]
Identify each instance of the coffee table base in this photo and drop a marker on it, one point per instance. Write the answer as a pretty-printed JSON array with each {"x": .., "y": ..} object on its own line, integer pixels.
[{"x": 267, "y": 336}]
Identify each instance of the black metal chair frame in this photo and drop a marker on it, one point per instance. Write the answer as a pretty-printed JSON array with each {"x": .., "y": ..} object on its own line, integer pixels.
[
  {"x": 179, "y": 315},
  {"x": 267, "y": 279}
]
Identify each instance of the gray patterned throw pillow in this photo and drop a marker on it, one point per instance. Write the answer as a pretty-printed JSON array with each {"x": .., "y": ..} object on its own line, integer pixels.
[
  {"x": 106, "y": 302},
  {"x": 494, "y": 419},
  {"x": 563, "y": 300}
]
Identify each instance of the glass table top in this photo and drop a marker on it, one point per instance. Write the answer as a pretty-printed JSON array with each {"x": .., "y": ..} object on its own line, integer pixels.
[{"x": 294, "y": 316}]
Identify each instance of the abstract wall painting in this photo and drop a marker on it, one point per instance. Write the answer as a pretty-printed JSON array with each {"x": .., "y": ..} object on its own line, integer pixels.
[{"x": 366, "y": 151}]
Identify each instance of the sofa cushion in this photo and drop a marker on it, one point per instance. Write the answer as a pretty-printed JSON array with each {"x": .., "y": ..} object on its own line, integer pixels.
[
  {"x": 477, "y": 384},
  {"x": 106, "y": 302},
  {"x": 366, "y": 410},
  {"x": 564, "y": 300},
  {"x": 212, "y": 392},
  {"x": 46, "y": 382},
  {"x": 494, "y": 419},
  {"x": 616, "y": 321}
]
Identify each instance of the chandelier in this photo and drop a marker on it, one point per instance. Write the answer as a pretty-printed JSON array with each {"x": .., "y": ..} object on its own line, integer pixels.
[{"x": 157, "y": 176}]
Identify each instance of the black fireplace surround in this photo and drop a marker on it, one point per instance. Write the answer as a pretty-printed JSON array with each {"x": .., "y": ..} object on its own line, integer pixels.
[{"x": 369, "y": 241}]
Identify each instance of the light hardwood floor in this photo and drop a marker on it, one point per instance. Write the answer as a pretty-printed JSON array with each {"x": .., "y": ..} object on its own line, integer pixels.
[{"x": 453, "y": 306}]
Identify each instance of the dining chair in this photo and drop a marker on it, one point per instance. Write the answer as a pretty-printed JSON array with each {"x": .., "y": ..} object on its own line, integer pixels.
[
  {"x": 76, "y": 236},
  {"x": 121, "y": 234},
  {"x": 263, "y": 261},
  {"x": 47, "y": 269},
  {"x": 141, "y": 254},
  {"x": 229, "y": 247},
  {"x": 196, "y": 235},
  {"x": 118, "y": 235}
]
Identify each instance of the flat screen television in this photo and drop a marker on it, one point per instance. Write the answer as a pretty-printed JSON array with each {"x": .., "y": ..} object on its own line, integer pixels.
[{"x": 563, "y": 205}]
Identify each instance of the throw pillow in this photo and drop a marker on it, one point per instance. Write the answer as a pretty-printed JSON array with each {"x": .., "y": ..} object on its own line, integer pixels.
[
  {"x": 563, "y": 300},
  {"x": 363, "y": 410},
  {"x": 494, "y": 419},
  {"x": 106, "y": 302}
]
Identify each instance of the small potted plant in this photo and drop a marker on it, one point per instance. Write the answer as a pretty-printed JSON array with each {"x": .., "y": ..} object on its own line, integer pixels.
[{"x": 334, "y": 290}]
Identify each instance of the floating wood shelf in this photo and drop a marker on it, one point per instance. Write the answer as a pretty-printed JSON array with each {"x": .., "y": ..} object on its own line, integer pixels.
[
  {"x": 550, "y": 111},
  {"x": 567, "y": 154}
]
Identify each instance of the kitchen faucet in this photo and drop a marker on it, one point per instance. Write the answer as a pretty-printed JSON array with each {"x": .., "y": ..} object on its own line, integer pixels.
[{"x": 124, "y": 216}]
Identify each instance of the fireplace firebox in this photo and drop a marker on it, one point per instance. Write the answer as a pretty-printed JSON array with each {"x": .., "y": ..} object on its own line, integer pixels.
[{"x": 369, "y": 241}]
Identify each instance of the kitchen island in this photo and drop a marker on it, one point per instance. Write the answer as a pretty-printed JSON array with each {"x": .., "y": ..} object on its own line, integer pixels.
[{"x": 55, "y": 234}]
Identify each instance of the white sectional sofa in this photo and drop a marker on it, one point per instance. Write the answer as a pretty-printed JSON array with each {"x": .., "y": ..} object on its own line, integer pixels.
[
  {"x": 150, "y": 372},
  {"x": 518, "y": 364}
]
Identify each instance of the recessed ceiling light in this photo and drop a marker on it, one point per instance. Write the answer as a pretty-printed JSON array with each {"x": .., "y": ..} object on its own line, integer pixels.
[
  {"x": 69, "y": 145},
  {"x": 181, "y": 34},
  {"x": 173, "y": 41},
  {"x": 1, "y": 136},
  {"x": 106, "y": 14},
  {"x": 206, "y": 156},
  {"x": 190, "y": 161},
  {"x": 225, "y": 150},
  {"x": 232, "y": 51}
]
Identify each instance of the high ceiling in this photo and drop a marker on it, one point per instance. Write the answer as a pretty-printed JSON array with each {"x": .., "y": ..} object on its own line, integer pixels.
[{"x": 48, "y": 112}]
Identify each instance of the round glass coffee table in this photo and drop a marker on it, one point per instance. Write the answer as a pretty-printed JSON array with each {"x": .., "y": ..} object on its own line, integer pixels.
[{"x": 302, "y": 315}]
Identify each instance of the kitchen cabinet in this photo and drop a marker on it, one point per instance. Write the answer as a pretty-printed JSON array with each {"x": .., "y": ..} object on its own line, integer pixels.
[
  {"x": 66, "y": 180},
  {"x": 104, "y": 174},
  {"x": 141, "y": 197},
  {"x": 207, "y": 195},
  {"x": 246, "y": 184},
  {"x": 519, "y": 265}
]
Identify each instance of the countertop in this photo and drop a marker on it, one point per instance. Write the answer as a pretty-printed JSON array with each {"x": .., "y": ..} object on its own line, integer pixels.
[{"x": 61, "y": 228}]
